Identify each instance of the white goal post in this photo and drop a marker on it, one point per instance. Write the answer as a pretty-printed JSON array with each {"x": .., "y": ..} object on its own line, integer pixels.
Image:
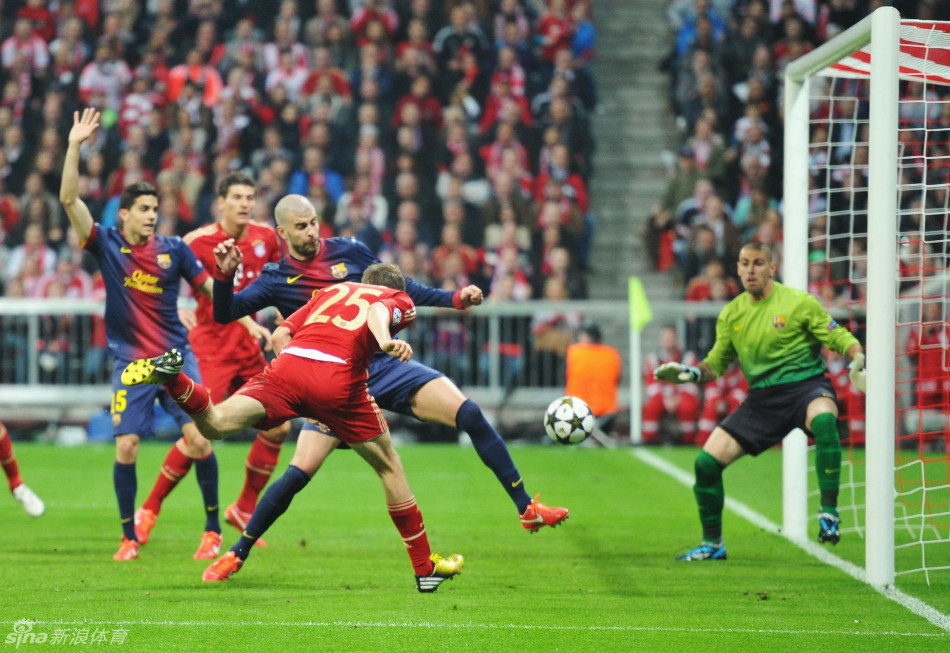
[{"x": 881, "y": 32}]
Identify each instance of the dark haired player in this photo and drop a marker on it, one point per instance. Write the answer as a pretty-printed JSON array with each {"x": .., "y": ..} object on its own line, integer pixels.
[
  {"x": 142, "y": 272},
  {"x": 228, "y": 355},
  {"x": 412, "y": 389},
  {"x": 777, "y": 333},
  {"x": 320, "y": 373}
]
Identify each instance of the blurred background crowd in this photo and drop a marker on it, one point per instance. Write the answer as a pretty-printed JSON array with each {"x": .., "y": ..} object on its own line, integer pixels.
[{"x": 451, "y": 137}]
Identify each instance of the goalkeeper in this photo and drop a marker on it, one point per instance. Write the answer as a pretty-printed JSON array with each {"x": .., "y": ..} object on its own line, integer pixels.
[{"x": 777, "y": 333}]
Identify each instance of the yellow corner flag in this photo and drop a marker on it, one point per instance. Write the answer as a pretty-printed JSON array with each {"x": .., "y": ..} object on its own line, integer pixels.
[{"x": 640, "y": 312}]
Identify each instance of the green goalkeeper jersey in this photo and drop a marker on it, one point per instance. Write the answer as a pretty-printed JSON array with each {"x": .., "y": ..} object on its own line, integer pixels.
[{"x": 779, "y": 339}]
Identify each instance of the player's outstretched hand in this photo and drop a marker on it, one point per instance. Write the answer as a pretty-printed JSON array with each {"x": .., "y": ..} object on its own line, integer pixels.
[
  {"x": 858, "y": 374},
  {"x": 676, "y": 373},
  {"x": 83, "y": 126},
  {"x": 187, "y": 318},
  {"x": 228, "y": 256},
  {"x": 397, "y": 349},
  {"x": 280, "y": 339},
  {"x": 471, "y": 296},
  {"x": 261, "y": 333}
]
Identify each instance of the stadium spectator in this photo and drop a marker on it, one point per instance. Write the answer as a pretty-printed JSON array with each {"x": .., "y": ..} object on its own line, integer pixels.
[
  {"x": 722, "y": 396},
  {"x": 663, "y": 398},
  {"x": 593, "y": 371},
  {"x": 926, "y": 351}
]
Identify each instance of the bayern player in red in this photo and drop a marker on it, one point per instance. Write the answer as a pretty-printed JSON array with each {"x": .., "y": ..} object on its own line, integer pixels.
[
  {"x": 26, "y": 497},
  {"x": 228, "y": 354},
  {"x": 320, "y": 373}
]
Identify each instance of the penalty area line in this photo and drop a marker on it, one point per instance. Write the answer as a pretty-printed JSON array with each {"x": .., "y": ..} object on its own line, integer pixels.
[
  {"x": 471, "y": 626},
  {"x": 915, "y": 605}
]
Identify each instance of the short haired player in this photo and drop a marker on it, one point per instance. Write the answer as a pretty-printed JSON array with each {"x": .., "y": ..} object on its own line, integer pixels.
[
  {"x": 228, "y": 354},
  {"x": 320, "y": 373},
  {"x": 777, "y": 333},
  {"x": 142, "y": 273}
]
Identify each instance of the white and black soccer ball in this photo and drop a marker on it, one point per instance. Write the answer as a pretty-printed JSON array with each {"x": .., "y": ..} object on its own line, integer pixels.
[{"x": 568, "y": 420}]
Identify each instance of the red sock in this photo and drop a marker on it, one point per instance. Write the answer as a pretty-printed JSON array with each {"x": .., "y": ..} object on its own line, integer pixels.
[
  {"x": 8, "y": 460},
  {"x": 193, "y": 397},
  {"x": 174, "y": 468},
  {"x": 408, "y": 520},
  {"x": 260, "y": 464}
]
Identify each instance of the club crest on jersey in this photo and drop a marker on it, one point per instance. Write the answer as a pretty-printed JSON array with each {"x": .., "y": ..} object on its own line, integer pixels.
[
  {"x": 164, "y": 261},
  {"x": 339, "y": 271},
  {"x": 778, "y": 321},
  {"x": 259, "y": 249}
]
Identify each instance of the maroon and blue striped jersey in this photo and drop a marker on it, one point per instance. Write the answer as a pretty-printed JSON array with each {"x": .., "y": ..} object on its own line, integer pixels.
[
  {"x": 289, "y": 283},
  {"x": 142, "y": 286}
]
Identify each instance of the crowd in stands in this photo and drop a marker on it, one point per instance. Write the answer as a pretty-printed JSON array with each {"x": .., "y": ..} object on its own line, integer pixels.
[
  {"x": 726, "y": 81},
  {"x": 452, "y": 137},
  {"x": 726, "y": 65}
]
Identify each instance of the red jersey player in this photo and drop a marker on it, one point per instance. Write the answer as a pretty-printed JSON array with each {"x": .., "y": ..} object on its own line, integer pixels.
[
  {"x": 720, "y": 398},
  {"x": 228, "y": 354},
  {"x": 321, "y": 371},
  {"x": 927, "y": 349},
  {"x": 681, "y": 401},
  {"x": 26, "y": 497}
]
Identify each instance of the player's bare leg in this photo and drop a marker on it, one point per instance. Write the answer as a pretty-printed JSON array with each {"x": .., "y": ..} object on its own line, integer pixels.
[
  {"x": 313, "y": 447},
  {"x": 441, "y": 401},
  {"x": 431, "y": 570}
]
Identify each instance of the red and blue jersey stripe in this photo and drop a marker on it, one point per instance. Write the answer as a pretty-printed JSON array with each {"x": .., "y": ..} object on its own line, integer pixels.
[{"x": 142, "y": 286}]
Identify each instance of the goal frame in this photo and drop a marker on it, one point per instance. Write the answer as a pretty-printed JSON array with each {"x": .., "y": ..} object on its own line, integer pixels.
[{"x": 882, "y": 30}]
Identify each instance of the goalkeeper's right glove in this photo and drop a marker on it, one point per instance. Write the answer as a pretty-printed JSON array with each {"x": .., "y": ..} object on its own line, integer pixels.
[{"x": 677, "y": 373}]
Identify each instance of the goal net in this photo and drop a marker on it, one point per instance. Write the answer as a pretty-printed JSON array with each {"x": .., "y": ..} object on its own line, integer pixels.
[{"x": 867, "y": 137}]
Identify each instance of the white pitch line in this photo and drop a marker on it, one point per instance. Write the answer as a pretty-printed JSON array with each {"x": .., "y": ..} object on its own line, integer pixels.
[
  {"x": 913, "y": 604},
  {"x": 475, "y": 626}
]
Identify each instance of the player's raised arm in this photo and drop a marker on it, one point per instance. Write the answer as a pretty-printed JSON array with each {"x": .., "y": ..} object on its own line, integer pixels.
[
  {"x": 228, "y": 256},
  {"x": 259, "y": 332},
  {"x": 79, "y": 215}
]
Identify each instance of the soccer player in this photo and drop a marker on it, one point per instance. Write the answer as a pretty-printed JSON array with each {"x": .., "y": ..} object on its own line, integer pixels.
[
  {"x": 777, "y": 333},
  {"x": 26, "y": 497},
  {"x": 411, "y": 389},
  {"x": 320, "y": 373},
  {"x": 228, "y": 355},
  {"x": 142, "y": 272}
]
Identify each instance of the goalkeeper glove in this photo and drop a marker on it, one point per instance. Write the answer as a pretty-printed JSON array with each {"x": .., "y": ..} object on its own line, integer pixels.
[
  {"x": 676, "y": 373},
  {"x": 859, "y": 375}
]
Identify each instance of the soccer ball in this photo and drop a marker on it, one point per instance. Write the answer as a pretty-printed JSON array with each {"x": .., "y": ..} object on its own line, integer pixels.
[{"x": 568, "y": 420}]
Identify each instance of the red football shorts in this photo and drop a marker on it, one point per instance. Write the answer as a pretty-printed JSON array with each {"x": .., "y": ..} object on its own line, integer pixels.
[
  {"x": 224, "y": 377},
  {"x": 333, "y": 393}
]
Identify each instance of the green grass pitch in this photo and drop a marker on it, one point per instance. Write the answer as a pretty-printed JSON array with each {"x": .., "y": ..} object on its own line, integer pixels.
[{"x": 335, "y": 576}]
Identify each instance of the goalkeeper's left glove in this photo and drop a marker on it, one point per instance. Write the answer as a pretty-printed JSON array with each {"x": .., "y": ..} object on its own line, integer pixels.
[
  {"x": 859, "y": 375},
  {"x": 676, "y": 373}
]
